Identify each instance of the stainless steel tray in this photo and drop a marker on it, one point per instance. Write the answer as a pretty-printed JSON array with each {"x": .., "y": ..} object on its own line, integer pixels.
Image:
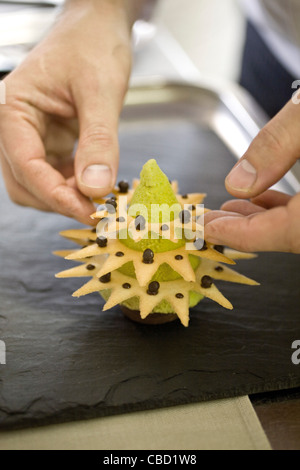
[{"x": 225, "y": 109}]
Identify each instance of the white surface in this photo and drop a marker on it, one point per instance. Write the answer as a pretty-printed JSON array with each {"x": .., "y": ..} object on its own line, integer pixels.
[
  {"x": 211, "y": 32},
  {"x": 24, "y": 25}
]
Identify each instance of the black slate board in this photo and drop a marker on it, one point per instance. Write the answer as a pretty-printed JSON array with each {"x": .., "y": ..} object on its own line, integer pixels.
[{"x": 67, "y": 360}]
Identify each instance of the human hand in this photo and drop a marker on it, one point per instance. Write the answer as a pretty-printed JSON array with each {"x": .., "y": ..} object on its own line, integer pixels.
[
  {"x": 270, "y": 220},
  {"x": 74, "y": 80}
]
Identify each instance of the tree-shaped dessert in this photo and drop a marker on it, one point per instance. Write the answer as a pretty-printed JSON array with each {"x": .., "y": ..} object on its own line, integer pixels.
[{"x": 148, "y": 253}]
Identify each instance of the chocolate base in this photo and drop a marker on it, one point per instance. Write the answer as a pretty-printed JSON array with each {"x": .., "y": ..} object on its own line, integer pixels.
[{"x": 152, "y": 319}]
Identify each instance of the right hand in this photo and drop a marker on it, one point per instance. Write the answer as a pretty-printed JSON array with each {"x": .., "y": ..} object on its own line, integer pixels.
[
  {"x": 74, "y": 80},
  {"x": 270, "y": 220}
]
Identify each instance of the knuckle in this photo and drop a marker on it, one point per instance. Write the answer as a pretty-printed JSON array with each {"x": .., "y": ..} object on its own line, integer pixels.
[
  {"x": 22, "y": 168},
  {"x": 241, "y": 235},
  {"x": 60, "y": 201},
  {"x": 58, "y": 196},
  {"x": 19, "y": 172},
  {"x": 97, "y": 136},
  {"x": 275, "y": 137}
]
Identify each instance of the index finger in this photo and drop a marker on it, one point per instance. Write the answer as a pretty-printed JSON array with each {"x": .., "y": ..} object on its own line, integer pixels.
[
  {"x": 263, "y": 231},
  {"x": 22, "y": 146}
]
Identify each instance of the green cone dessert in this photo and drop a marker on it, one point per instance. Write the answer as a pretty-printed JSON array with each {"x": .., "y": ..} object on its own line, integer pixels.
[{"x": 147, "y": 254}]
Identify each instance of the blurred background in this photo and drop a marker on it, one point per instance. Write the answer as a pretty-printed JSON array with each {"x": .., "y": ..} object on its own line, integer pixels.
[{"x": 209, "y": 32}]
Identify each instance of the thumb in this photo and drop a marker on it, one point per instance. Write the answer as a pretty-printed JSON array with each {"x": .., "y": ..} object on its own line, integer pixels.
[
  {"x": 97, "y": 155},
  {"x": 271, "y": 154}
]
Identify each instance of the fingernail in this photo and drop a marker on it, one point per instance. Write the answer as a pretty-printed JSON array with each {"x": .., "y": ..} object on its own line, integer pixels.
[
  {"x": 97, "y": 176},
  {"x": 242, "y": 177}
]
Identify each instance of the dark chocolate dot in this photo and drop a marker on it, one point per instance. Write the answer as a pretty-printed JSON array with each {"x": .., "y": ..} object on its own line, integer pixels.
[
  {"x": 179, "y": 296},
  {"x": 126, "y": 285},
  {"x": 219, "y": 248},
  {"x": 192, "y": 208},
  {"x": 101, "y": 242},
  {"x": 90, "y": 267},
  {"x": 164, "y": 227},
  {"x": 120, "y": 219},
  {"x": 140, "y": 223},
  {"x": 178, "y": 257},
  {"x": 123, "y": 187},
  {"x": 148, "y": 256},
  {"x": 185, "y": 217},
  {"x": 206, "y": 282},
  {"x": 111, "y": 206},
  {"x": 185, "y": 196},
  {"x": 94, "y": 230},
  {"x": 106, "y": 278},
  {"x": 119, "y": 254},
  {"x": 219, "y": 269},
  {"x": 200, "y": 244},
  {"x": 153, "y": 288}
]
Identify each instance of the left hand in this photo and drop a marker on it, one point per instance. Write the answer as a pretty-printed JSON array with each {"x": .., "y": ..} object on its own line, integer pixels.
[{"x": 268, "y": 220}]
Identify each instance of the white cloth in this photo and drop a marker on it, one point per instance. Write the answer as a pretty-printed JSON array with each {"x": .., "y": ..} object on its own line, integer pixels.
[{"x": 278, "y": 22}]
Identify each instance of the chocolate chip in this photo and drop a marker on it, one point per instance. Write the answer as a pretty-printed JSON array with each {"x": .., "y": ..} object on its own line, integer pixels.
[
  {"x": 106, "y": 278},
  {"x": 178, "y": 257},
  {"x": 140, "y": 223},
  {"x": 185, "y": 217},
  {"x": 185, "y": 196},
  {"x": 126, "y": 285},
  {"x": 179, "y": 296},
  {"x": 200, "y": 244},
  {"x": 111, "y": 206},
  {"x": 192, "y": 208},
  {"x": 219, "y": 248},
  {"x": 164, "y": 227},
  {"x": 90, "y": 267},
  {"x": 119, "y": 254},
  {"x": 153, "y": 288},
  {"x": 101, "y": 242},
  {"x": 123, "y": 187},
  {"x": 219, "y": 269},
  {"x": 120, "y": 219},
  {"x": 148, "y": 256},
  {"x": 94, "y": 230},
  {"x": 206, "y": 282}
]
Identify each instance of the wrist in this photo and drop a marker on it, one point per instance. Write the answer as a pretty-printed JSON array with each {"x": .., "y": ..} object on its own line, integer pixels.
[{"x": 125, "y": 11}]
